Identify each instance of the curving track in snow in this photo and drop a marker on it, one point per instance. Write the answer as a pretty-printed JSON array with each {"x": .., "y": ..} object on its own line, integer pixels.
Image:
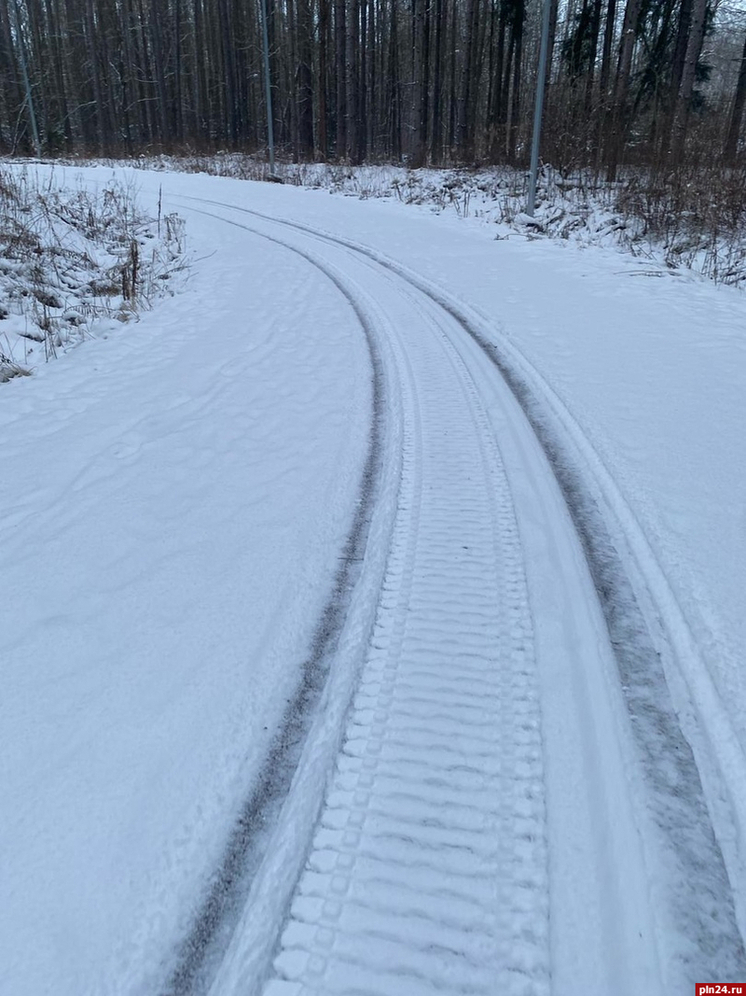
[{"x": 496, "y": 819}]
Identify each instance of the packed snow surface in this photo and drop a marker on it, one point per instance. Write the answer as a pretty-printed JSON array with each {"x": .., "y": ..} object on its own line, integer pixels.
[{"x": 176, "y": 500}]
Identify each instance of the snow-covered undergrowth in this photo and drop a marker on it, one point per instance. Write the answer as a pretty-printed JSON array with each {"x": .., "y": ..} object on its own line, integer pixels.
[
  {"x": 73, "y": 262},
  {"x": 693, "y": 222}
]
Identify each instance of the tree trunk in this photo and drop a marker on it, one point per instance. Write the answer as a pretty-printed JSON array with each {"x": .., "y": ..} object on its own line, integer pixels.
[
  {"x": 323, "y": 139},
  {"x": 420, "y": 30},
  {"x": 684, "y": 100},
  {"x": 665, "y": 133},
  {"x": 353, "y": 81},
  {"x": 436, "y": 137},
  {"x": 340, "y": 42},
  {"x": 730, "y": 150},
  {"x": 468, "y": 84},
  {"x": 95, "y": 75},
  {"x": 515, "y": 101},
  {"x": 620, "y": 110}
]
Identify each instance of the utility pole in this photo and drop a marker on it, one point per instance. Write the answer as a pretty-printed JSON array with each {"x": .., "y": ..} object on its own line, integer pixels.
[
  {"x": 538, "y": 109},
  {"x": 268, "y": 90}
]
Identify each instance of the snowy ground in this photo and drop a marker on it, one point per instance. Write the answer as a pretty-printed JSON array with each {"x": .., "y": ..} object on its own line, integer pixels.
[{"x": 177, "y": 503}]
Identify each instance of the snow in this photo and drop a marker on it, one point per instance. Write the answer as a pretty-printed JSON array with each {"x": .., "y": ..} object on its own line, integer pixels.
[
  {"x": 173, "y": 503},
  {"x": 176, "y": 500}
]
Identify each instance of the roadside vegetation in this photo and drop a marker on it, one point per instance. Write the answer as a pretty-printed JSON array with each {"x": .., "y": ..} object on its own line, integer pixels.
[
  {"x": 75, "y": 262},
  {"x": 684, "y": 222}
]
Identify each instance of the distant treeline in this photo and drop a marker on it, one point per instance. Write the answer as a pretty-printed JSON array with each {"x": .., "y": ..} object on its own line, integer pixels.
[{"x": 425, "y": 81}]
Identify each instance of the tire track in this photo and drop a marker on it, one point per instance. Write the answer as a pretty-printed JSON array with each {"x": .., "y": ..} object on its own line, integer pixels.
[
  {"x": 691, "y": 899},
  {"x": 428, "y": 870},
  {"x": 220, "y": 909}
]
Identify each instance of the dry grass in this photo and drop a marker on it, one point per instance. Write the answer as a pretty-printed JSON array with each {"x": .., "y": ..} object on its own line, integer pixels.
[{"x": 69, "y": 257}]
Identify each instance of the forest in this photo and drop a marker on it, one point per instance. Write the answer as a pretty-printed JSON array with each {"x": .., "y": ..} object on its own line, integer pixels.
[{"x": 653, "y": 83}]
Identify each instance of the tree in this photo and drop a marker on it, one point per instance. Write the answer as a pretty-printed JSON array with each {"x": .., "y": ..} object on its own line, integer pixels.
[
  {"x": 736, "y": 116},
  {"x": 435, "y": 80},
  {"x": 696, "y": 35}
]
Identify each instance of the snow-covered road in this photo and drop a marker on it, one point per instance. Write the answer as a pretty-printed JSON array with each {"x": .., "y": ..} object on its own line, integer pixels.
[{"x": 354, "y": 550}]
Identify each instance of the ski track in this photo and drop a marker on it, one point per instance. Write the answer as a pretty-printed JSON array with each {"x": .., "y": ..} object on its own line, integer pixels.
[{"x": 430, "y": 867}]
